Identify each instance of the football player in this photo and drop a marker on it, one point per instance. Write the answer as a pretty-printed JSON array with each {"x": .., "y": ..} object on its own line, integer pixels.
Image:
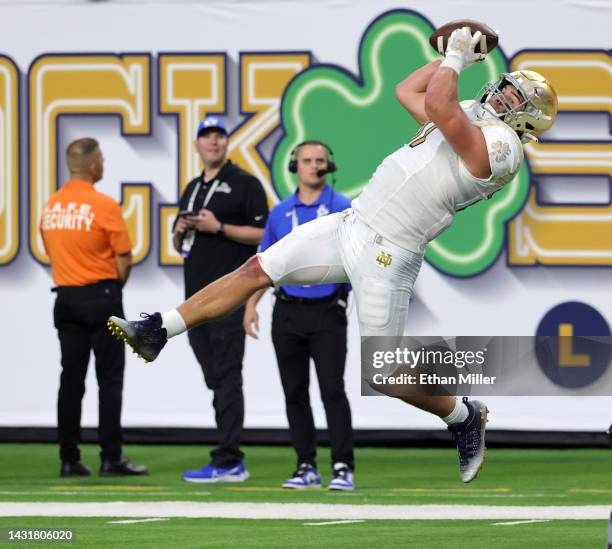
[{"x": 463, "y": 153}]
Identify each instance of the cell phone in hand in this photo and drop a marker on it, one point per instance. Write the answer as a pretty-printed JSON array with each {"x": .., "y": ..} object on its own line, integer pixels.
[{"x": 186, "y": 213}]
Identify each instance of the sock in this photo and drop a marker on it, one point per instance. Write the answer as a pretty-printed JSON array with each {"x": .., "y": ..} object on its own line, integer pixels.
[
  {"x": 460, "y": 413},
  {"x": 174, "y": 323}
]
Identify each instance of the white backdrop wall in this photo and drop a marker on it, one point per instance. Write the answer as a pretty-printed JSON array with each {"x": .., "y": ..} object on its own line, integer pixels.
[{"x": 171, "y": 391}]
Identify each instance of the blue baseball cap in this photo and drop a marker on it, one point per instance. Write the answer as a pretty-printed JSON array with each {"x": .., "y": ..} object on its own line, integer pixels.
[{"x": 210, "y": 123}]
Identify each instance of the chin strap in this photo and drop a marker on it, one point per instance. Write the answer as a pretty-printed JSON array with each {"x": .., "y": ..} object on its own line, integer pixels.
[{"x": 487, "y": 107}]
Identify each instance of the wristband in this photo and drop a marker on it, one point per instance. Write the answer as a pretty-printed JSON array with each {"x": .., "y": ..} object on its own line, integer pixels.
[{"x": 221, "y": 231}]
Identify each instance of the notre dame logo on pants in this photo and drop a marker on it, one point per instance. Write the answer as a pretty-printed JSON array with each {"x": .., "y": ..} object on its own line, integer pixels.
[{"x": 383, "y": 259}]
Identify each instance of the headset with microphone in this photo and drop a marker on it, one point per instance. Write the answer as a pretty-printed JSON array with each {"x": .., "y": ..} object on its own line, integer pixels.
[{"x": 331, "y": 165}]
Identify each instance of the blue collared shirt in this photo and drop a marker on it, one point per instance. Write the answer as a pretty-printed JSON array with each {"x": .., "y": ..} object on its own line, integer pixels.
[{"x": 280, "y": 223}]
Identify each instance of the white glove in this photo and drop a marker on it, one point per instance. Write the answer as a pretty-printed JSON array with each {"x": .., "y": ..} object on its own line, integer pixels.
[{"x": 460, "y": 49}]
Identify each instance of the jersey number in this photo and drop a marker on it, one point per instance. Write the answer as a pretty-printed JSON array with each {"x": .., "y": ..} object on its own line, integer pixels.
[{"x": 422, "y": 134}]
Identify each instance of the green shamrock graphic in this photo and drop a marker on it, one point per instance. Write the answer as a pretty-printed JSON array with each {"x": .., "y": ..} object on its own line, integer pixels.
[{"x": 362, "y": 122}]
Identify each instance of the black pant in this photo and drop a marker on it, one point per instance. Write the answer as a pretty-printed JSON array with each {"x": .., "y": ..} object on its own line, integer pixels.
[
  {"x": 219, "y": 348},
  {"x": 80, "y": 315},
  {"x": 301, "y": 331}
]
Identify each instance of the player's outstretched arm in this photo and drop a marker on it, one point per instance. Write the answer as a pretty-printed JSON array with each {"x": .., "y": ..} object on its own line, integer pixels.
[
  {"x": 443, "y": 108},
  {"x": 410, "y": 92}
]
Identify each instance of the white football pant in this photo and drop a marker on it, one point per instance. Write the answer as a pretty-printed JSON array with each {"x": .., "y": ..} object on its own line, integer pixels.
[{"x": 341, "y": 248}]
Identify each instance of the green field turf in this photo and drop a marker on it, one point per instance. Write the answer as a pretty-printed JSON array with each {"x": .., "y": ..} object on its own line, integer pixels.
[
  {"x": 227, "y": 533},
  {"x": 29, "y": 472},
  {"x": 413, "y": 477}
]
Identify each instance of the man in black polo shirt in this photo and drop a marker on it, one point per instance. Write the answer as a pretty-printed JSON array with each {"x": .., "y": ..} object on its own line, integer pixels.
[{"x": 220, "y": 223}]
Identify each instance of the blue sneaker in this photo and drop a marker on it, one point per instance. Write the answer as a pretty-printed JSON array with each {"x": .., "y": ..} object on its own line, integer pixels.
[
  {"x": 210, "y": 474},
  {"x": 342, "y": 478},
  {"x": 469, "y": 436},
  {"x": 146, "y": 337},
  {"x": 304, "y": 478}
]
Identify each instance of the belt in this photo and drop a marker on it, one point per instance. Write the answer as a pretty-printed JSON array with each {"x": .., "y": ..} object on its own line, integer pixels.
[
  {"x": 286, "y": 298},
  {"x": 87, "y": 290}
]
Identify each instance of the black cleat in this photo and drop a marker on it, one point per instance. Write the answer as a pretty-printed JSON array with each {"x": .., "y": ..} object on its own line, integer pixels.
[
  {"x": 122, "y": 467},
  {"x": 146, "y": 337},
  {"x": 74, "y": 469},
  {"x": 469, "y": 437}
]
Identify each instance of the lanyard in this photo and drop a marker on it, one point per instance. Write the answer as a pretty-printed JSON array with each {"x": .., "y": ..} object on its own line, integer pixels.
[
  {"x": 322, "y": 211},
  {"x": 190, "y": 235},
  {"x": 294, "y": 219},
  {"x": 208, "y": 196}
]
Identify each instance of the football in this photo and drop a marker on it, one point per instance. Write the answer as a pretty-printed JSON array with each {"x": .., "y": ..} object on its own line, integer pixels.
[{"x": 439, "y": 39}]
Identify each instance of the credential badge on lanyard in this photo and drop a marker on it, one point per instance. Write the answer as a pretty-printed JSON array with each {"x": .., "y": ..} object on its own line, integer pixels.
[{"x": 190, "y": 235}]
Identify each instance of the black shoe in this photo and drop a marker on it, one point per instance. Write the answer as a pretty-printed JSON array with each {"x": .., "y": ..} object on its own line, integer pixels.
[
  {"x": 146, "y": 337},
  {"x": 122, "y": 467},
  {"x": 74, "y": 469}
]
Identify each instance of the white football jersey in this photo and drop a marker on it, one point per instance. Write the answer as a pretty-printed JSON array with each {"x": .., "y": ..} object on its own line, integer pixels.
[{"x": 416, "y": 191}]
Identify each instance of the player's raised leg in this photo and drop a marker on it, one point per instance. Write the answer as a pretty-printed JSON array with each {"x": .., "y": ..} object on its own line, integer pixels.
[
  {"x": 308, "y": 255},
  {"x": 148, "y": 336},
  {"x": 383, "y": 277},
  {"x": 225, "y": 295}
]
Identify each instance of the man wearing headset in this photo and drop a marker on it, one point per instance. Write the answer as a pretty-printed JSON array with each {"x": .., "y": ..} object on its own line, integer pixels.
[{"x": 310, "y": 322}]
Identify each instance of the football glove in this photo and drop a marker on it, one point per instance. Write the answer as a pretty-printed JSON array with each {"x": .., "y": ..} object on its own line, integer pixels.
[{"x": 460, "y": 52}]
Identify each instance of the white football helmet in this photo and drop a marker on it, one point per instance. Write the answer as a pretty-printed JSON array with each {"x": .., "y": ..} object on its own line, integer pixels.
[{"x": 537, "y": 112}]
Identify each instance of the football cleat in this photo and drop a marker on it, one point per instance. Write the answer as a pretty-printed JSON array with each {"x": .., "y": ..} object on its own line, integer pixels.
[
  {"x": 304, "y": 478},
  {"x": 469, "y": 437},
  {"x": 146, "y": 337}
]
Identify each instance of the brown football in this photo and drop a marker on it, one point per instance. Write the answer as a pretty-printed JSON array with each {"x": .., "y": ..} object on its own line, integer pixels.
[{"x": 445, "y": 31}]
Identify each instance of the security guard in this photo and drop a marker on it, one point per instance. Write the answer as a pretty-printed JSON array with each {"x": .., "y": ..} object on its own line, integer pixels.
[
  {"x": 222, "y": 215},
  {"x": 310, "y": 322},
  {"x": 87, "y": 242}
]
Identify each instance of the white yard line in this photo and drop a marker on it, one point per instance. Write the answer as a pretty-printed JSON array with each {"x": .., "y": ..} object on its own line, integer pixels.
[
  {"x": 98, "y": 493},
  {"x": 514, "y": 523},
  {"x": 332, "y": 522},
  {"x": 136, "y": 521},
  {"x": 302, "y": 511}
]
